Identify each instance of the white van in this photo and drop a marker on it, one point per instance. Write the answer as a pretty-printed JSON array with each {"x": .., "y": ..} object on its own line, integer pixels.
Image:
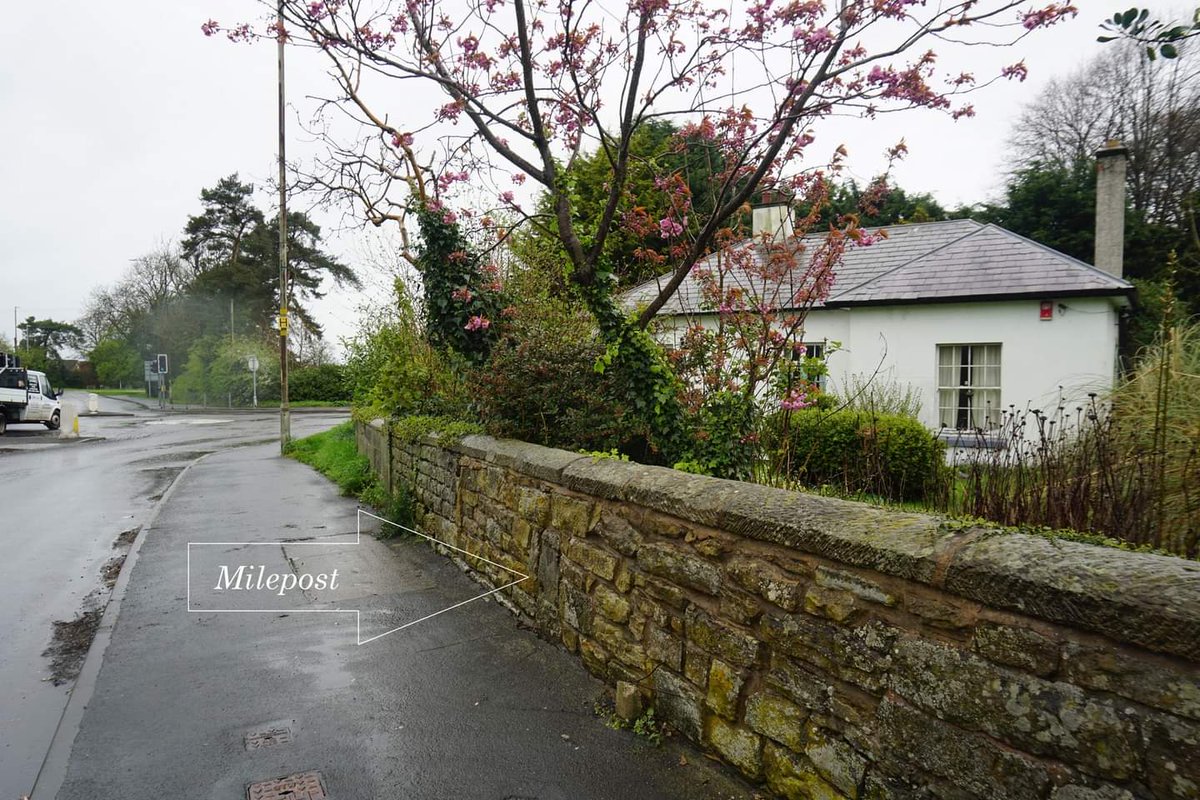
[{"x": 26, "y": 396}]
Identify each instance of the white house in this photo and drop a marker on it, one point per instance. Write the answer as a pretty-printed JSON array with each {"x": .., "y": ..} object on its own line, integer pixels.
[{"x": 974, "y": 318}]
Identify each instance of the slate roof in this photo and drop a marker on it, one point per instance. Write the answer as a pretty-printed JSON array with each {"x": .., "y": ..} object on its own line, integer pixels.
[{"x": 932, "y": 262}]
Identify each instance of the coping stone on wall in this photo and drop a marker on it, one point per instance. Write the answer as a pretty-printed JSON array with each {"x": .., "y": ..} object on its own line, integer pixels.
[
  {"x": 682, "y": 495},
  {"x": 897, "y": 543},
  {"x": 1145, "y": 599},
  {"x": 533, "y": 460}
]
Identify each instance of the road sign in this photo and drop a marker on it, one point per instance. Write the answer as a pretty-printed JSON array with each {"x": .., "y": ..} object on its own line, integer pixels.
[
  {"x": 162, "y": 363},
  {"x": 253, "y": 362}
]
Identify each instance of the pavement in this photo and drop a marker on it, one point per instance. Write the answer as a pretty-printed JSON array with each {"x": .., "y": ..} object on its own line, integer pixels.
[
  {"x": 467, "y": 704},
  {"x": 65, "y": 505}
]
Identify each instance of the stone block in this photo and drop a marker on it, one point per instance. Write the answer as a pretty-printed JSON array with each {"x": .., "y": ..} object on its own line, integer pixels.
[
  {"x": 765, "y": 580},
  {"x": 696, "y": 663},
  {"x": 591, "y": 557},
  {"x": 533, "y": 505},
  {"x": 612, "y": 636},
  {"x": 1160, "y": 683},
  {"x": 1016, "y": 647},
  {"x": 892, "y": 542},
  {"x": 1042, "y": 717},
  {"x": 832, "y": 604},
  {"x": 661, "y": 590},
  {"x": 740, "y": 607},
  {"x": 664, "y": 648},
  {"x": 724, "y": 689},
  {"x": 611, "y": 604},
  {"x": 835, "y": 760},
  {"x": 710, "y": 546},
  {"x": 678, "y": 704},
  {"x": 695, "y": 498},
  {"x": 940, "y": 611},
  {"x": 908, "y": 739},
  {"x": 857, "y": 655},
  {"x": 722, "y": 640},
  {"x": 629, "y": 701},
  {"x": 571, "y": 515},
  {"x": 862, "y": 587},
  {"x": 778, "y": 719},
  {"x": 595, "y": 657},
  {"x": 810, "y": 690},
  {"x": 575, "y": 607},
  {"x": 676, "y": 564},
  {"x": 655, "y": 524},
  {"x": 1077, "y": 792},
  {"x": 618, "y": 534},
  {"x": 547, "y": 570},
  {"x": 1172, "y": 756},
  {"x": 522, "y": 534},
  {"x": 793, "y": 777},
  {"x": 738, "y": 746}
]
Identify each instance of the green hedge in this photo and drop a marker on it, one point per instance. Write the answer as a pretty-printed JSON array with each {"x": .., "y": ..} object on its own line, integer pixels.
[
  {"x": 889, "y": 455},
  {"x": 327, "y": 382}
]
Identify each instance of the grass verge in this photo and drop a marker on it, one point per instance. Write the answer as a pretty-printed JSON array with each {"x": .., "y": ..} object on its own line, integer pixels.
[
  {"x": 116, "y": 392},
  {"x": 335, "y": 455}
]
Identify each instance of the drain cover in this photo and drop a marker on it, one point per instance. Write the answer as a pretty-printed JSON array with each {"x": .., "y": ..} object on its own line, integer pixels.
[
  {"x": 268, "y": 738},
  {"x": 302, "y": 786}
]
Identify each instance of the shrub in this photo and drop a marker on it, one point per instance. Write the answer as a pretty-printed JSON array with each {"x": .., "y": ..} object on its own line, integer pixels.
[
  {"x": 724, "y": 442},
  {"x": 880, "y": 394},
  {"x": 323, "y": 383},
  {"x": 393, "y": 371},
  {"x": 888, "y": 455},
  {"x": 541, "y": 385}
]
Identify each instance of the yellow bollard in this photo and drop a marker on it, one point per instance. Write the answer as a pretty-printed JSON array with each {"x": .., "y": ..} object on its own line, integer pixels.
[{"x": 75, "y": 426}]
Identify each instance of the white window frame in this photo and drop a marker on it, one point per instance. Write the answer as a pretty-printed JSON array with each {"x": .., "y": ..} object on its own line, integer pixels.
[
  {"x": 969, "y": 384},
  {"x": 823, "y": 345}
]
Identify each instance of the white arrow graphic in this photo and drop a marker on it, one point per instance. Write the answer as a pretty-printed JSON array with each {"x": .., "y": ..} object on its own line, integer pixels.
[{"x": 520, "y": 576}]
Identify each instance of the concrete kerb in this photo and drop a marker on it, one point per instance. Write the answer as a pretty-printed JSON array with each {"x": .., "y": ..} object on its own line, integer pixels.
[{"x": 1148, "y": 600}]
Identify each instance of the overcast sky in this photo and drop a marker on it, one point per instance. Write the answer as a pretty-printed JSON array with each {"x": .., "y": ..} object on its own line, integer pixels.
[{"x": 115, "y": 115}]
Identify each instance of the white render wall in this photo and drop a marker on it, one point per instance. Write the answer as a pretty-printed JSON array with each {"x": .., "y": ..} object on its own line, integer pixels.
[{"x": 1076, "y": 350}]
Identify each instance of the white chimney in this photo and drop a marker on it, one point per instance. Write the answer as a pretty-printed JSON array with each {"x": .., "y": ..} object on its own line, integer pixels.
[
  {"x": 1110, "y": 208},
  {"x": 773, "y": 215}
]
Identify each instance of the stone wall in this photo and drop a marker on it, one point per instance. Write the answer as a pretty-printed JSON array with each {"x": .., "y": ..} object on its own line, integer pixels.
[{"x": 831, "y": 649}]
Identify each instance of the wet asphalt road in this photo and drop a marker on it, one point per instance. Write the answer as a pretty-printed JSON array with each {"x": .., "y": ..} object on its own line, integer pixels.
[
  {"x": 465, "y": 705},
  {"x": 61, "y": 508}
]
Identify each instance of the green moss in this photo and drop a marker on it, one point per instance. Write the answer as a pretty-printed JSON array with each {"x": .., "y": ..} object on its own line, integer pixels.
[
  {"x": 991, "y": 529},
  {"x": 416, "y": 427}
]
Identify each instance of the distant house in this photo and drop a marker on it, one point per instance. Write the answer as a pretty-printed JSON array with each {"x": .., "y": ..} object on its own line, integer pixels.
[{"x": 975, "y": 318}]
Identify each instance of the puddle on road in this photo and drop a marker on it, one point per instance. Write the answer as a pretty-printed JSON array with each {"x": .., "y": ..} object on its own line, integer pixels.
[
  {"x": 160, "y": 479},
  {"x": 185, "y": 455}
]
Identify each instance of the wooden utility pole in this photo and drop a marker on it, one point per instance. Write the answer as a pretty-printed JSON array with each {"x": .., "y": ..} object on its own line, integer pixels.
[{"x": 285, "y": 421}]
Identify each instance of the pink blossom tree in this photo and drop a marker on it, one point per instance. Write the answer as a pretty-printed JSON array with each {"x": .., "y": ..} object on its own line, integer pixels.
[{"x": 529, "y": 86}]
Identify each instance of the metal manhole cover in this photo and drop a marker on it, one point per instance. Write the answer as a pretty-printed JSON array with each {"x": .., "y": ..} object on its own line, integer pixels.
[
  {"x": 268, "y": 738},
  {"x": 302, "y": 786}
]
